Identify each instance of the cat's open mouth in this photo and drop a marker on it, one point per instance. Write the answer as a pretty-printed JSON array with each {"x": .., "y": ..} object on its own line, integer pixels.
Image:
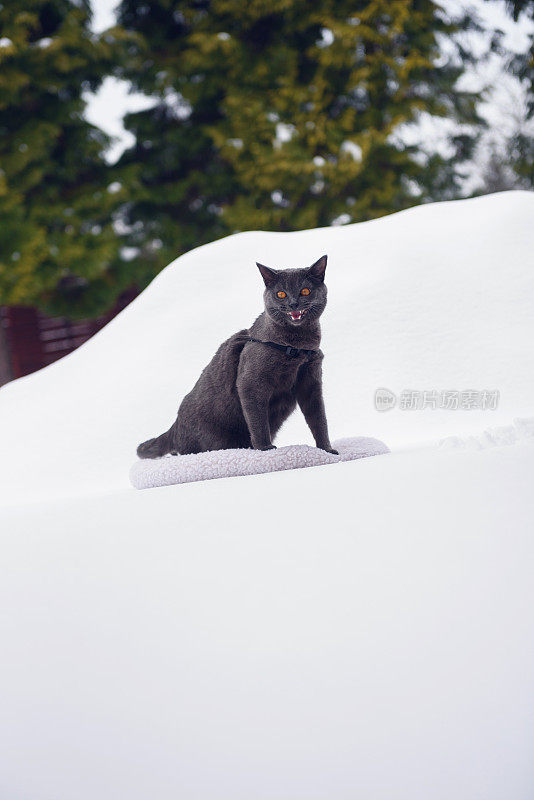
[{"x": 296, "y": 315}]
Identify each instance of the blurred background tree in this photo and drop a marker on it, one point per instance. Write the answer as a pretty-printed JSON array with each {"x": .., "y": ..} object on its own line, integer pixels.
[
  {"x": 57, "y": 241},
  {"x": 504, "y": 156},
  {"x": 521, "y": 157},
  {"x": 270, "y": 114},
  {"x": 282, "y": 114}
]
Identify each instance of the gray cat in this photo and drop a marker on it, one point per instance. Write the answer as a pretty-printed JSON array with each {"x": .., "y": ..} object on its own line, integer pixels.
[{"x": 257, "y": 376}]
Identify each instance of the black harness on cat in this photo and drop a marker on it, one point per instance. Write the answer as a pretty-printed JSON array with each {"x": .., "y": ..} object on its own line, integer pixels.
[{"x": 291, "y": 352}]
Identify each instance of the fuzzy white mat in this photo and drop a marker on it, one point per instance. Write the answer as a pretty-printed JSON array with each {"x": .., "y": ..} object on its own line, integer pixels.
[{"x": 166, "y": 471}]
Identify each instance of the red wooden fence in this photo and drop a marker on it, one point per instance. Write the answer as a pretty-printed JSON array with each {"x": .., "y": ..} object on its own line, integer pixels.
[{"x": 32, "y": 340}]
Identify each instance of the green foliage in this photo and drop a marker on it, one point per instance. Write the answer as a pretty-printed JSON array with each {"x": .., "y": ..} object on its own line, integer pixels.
[
  {"x": 281, "y": 114},
  {"x": 57, "y": 243},
  {"x": 273, "y": 114},
  {"x": 523, "y": 144}
]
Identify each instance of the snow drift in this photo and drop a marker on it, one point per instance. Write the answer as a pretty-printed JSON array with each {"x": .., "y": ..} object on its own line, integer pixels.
[
  {"x": 435, "y": 298},
  {"x": 357, "y": 630}
]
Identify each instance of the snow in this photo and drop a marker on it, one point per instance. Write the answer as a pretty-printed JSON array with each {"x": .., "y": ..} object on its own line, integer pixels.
[
  {"x": 291, "y": 635},
  {"x": 493, "y": 437},
  {"x": 435, "y": 298},
  {"x": 362, "y": 629}
]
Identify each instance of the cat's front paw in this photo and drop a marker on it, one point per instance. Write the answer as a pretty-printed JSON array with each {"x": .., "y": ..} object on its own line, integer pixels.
[
  {"x": 330, "y": 450},
  {"x": 267, "y": 447}
]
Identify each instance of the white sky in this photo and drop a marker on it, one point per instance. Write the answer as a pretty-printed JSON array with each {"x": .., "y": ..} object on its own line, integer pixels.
[
  {"x": 107, "y": 107},
  {"x": 103, "y": 13}
]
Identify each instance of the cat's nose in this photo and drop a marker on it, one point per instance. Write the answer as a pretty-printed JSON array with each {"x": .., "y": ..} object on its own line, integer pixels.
[{"x": 294, "y": 304}]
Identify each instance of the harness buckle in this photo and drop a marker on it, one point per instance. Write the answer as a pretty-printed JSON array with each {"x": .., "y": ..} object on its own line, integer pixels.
[{"x": 292, "y": 352}]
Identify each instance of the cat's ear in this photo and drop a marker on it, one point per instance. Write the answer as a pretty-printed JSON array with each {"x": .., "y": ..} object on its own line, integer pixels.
[
  {"x": 316, "y": 271},
  {"x": 269, "y": 275}
]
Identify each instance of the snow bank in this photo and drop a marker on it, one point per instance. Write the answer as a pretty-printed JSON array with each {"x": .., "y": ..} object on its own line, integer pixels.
[
  {"x": 493, "y": 437},
  {"x": 363, "y": 630},
  {"x": 357, "y": 631},
  {"x": 437, "y": 298}
]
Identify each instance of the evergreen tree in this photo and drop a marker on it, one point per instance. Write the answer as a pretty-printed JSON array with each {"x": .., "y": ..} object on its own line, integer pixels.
[
  {"x": 282, "y": 114},
  {"x": 522, "y": 145},
  {"x": 518, "y": 6},
  {"x": 57, "y": 243}
]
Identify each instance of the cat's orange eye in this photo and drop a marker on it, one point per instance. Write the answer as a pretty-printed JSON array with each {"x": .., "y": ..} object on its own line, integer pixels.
[
  {"x": 281, "y": 295},
  {"x": 305, "y": 292}
]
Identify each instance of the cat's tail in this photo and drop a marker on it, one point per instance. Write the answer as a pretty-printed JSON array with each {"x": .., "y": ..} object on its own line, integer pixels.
[{"x": 155, "y": 448}]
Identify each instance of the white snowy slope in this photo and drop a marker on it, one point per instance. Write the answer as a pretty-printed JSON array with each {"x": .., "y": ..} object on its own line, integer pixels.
[
  {"x": 354, "y": 630},
  {"x": 360, "y": 630},
  {"x": 439, "y": 297}
]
